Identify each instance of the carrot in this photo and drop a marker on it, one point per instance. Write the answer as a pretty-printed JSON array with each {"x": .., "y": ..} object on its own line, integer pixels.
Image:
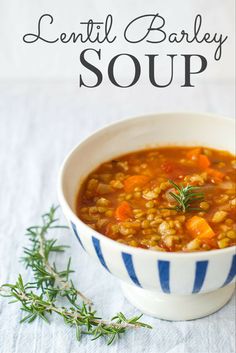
[
  {"x": 193, "y": 154},
  {"x": 196, "y": 155},
  {"x": 215, "y": 175},
  {"x": 199, "y": 228},
  {"x": 210, "y": 242},
  {"x": 123, "y": 211},
  {"x": 203, "y": 161},
  {"x": 134, "y": 181}
]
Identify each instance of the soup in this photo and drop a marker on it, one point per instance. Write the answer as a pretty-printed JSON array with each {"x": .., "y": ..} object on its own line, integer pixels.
[{"x": 175, "y": 199}]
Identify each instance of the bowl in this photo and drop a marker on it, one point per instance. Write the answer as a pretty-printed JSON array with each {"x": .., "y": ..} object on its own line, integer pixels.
[{"x": 172, "y": 286}]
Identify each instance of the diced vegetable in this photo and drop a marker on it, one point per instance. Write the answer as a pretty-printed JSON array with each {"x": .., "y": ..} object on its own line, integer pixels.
[
  {"x": 193, "y": 244},
  {"x": 135, "y": 181},
  {"x": 209, "y": 243},
  {"x": 193, "y": 154},
  {"x": 219, "y": 216},
  {"x": 92, "y": 184},
  {"x": 123, "y": 211},
  {"x": 169, "y": 197},
  {"x": 103, "y": 189},
  {"x": 215, "y": 175},
  {"x": 199, "y": 228},
  {"x": 203, "y": 161}
]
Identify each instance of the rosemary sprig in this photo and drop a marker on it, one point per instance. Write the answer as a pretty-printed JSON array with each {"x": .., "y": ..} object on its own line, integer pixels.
[
  {"x": 185, "y": 197},
  {"x": 40, "y": 298},
  {"x": 37, "y": 255},
  {"x": 82, "y": 317}
]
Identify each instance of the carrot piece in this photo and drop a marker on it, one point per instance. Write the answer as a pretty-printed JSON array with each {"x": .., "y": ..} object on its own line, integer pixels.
[
  {"x": 196, "y": 155},
  {"x": 134, "y": 181},
  {"x": 216, "y": 175},
  {"x": 193, "y": 154},
  {"x": 210, "y": 242},
  {"x": 123, "y": 211},
  {"x": 203, "y": 161},
  {"x": 199, "y": 228}
]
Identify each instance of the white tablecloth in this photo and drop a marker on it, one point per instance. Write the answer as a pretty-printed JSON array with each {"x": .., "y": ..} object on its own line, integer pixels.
[{"x": 39, "y": 124}]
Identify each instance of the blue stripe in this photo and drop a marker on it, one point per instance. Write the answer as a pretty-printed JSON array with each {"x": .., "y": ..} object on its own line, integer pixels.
[
  {"x": 164, "y": 275},
  {"x": 200, "y": 274},
  {"x": 232, "y": 272},
  {"x": 76, "y": 233},
  {"x": 128, "y": 261},
  {"x": 97, "y": 247}
]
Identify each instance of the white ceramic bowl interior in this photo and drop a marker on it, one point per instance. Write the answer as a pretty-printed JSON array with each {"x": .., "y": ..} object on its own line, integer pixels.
[{"x": 172, "y": 286}]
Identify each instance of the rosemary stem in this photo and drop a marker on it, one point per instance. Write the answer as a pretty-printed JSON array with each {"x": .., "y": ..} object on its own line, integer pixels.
[
  {"x": 75, "y": 315},
  {"x": 63, "y": 284}
]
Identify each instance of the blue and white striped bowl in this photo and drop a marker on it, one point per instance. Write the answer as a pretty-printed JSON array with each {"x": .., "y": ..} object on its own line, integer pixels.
[{"x": 172, "y": 286}]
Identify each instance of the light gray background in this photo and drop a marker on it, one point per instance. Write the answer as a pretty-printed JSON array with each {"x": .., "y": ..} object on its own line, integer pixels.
[{"x": 43, "y": 115}]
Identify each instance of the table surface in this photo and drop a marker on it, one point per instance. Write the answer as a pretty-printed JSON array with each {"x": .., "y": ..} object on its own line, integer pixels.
[{"x": 39, "y": 123}]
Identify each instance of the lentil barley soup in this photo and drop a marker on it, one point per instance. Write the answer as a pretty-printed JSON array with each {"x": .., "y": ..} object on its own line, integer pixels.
[{"x": 165, "y": 199}]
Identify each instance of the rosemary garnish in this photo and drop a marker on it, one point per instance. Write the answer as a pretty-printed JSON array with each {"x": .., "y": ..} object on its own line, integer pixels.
[
  {"x": 185, "y": 197},
  {"x": 40, "y": 297}
]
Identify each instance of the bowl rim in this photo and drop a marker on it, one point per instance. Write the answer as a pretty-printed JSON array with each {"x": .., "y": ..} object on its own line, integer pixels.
[{"x": 124, "y": 247}]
